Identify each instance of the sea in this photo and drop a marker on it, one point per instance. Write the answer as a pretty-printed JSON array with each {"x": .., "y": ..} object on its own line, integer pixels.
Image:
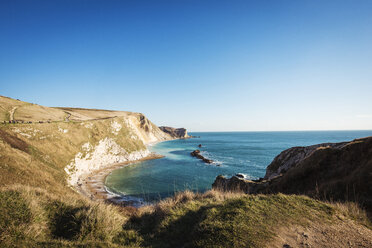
[{"x": 248, "y": 153}]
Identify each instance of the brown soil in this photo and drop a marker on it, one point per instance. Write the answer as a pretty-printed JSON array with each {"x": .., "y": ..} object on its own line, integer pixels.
[
  {"x": 342, "y": 233},
  {"x": 14, "y": 141}
]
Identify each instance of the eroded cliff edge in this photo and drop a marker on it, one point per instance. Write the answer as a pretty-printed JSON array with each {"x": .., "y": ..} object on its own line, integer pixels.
[
  {"x": 178, "y": 133},
  {"x": 69, "y": 142},
  {"x": 333, "y": 171},
  {"x": 113, "y": 146}
]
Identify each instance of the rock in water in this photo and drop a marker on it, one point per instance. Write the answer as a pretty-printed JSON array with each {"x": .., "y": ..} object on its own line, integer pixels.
[{"x": 197, "y": 154}]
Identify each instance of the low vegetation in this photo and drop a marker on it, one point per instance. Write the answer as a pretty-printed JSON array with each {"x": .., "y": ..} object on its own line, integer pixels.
[
  {"x": 35, "y": 217},
  {"x": 38, "y": 153},
  {"x": 25, "y": 111}
]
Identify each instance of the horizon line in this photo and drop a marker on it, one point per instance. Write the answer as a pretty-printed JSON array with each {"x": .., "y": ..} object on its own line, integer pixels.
[{"x": 310, "y": 130}]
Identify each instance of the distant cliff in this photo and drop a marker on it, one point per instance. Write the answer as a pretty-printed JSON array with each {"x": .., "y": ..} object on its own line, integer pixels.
[
  {"x": 337, "y": 171},
  {"x": 175, "y": 132},
  {"x": 73, "y": 141}
]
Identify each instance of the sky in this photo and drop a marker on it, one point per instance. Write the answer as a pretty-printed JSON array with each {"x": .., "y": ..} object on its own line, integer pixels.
[{"x": 203, "y": 65}]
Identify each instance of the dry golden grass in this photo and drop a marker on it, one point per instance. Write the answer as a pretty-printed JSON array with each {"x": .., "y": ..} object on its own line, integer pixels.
[
  {"x": 81, "y": 114},
  {"x": 35, "y": 113},
  {"x": 354, "y": 212},
  {"x": 6, "y": 105},
  {"x": 51, "y": 146},
  {"x": 230, "y": 219},
  {"x": 43, "y": 217},
  {"x": 35, "y": 217}
]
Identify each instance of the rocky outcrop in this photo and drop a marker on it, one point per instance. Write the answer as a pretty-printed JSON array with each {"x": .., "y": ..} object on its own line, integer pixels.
[
  {"x": 333, "y": 171},
  {"x": 293, "y": 156},
  {"x": 177, "y": 133},
  {"x": 145, "y": 130},
  {"x": 237, "y": 183},
  {"x": 197, "y": 154}
]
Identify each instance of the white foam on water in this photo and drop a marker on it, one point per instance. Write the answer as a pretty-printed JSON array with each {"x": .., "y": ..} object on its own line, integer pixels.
[
  {"x": 131, "y": 200},
  {"x": 245, "y": 176}
]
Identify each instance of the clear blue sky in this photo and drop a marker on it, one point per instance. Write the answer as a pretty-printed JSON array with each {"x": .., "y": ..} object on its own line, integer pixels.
[{"x": 203, "y": 65}]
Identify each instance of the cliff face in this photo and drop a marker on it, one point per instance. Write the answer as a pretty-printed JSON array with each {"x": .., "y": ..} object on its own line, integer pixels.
[
  {"x": 113, "y": 148},
  {"x": 146, "y": 131},
  {"x": 177, "y": 133},
  {"x": 291, "y": 157},
  {"x": 69, "y": 142},
  {"x": 337, "y": 171}
]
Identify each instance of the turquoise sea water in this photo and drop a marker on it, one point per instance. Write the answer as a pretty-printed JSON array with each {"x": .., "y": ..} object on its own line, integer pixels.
[{"x": 236, "y": 152}]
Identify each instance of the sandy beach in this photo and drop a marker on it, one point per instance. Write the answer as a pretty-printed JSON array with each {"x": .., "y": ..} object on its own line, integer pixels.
[{"x": 92, "y": 185}]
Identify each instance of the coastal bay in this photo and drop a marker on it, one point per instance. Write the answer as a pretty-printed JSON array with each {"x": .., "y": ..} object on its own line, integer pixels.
[
  {"x": 248, "y": 153},
  {"x": 93, "y": 184}
]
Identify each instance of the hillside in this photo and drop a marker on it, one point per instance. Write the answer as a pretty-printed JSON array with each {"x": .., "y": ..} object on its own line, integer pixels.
[
  {"x": 41, "y": 164},
  {"x": 72, "y": 140},
  {"x": 331, "y": 171},
  {"x": 12, "y": 109}
]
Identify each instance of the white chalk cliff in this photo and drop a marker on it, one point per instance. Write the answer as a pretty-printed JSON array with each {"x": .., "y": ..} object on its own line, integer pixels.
[{"x": 108, "y": 152}]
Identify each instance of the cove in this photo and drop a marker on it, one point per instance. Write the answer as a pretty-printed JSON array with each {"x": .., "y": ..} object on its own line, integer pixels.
[{"x": 248, "y": 153}]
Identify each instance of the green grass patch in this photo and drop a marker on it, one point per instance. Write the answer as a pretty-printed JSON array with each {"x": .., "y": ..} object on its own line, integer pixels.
[
  {"x": 189, "y": 220},
  {"x": 247, "y": 221},
  {"x": 15, "y": 215},
  {"x": 65, "y": 220}
]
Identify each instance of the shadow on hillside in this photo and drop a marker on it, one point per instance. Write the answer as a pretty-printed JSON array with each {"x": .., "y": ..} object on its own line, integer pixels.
[
  {"x": 66, "y": 222},
  {"x": 177, "y": 232}
]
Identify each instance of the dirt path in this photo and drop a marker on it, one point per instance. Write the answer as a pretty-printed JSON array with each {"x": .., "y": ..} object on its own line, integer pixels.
[
  {"x": 339, "y": 233},
  {"x": 68, "y": 117},
  {"x": 11, "y": 113}
]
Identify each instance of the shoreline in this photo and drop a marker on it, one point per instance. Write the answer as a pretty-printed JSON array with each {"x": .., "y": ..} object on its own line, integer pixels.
[{"x": 93, "y": 184}]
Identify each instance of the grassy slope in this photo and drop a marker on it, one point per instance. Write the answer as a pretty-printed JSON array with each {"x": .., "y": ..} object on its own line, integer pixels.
[
  {"x": 33, "y": 112},
  {"x": 88, "y": 114},
  {"x": 48, "y": 149},
  {"x": 6, "y": 105},
  {"x": 34, "y": 195},
  {"x": 38, "y": 209},
  {"x": 35, "y": 217}
]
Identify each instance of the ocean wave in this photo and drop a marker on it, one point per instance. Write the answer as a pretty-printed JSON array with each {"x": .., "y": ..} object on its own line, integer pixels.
[
  {"x": 245, "y": 176},
  {"x": 218, "y": 162},
  {"x": 111, "y": 193},
  {"x": 126, "y": 199}
]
